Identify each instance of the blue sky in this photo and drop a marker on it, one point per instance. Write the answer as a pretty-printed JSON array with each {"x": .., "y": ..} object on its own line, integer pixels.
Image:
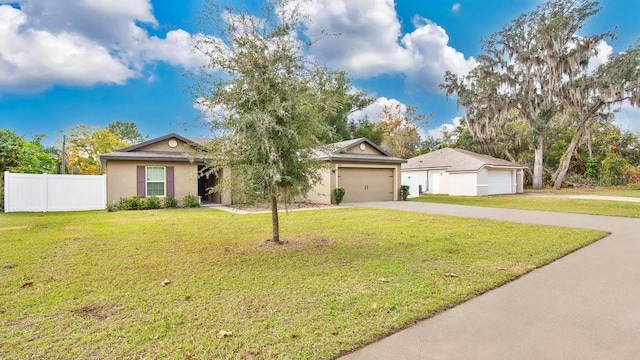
[{"x": 70, "y": 62}]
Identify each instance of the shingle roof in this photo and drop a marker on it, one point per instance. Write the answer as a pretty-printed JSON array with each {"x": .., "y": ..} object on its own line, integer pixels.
[
  {"x": 456, "y": 160},
  {"x": 337, "y": 152},
  {"x": 199, "y": 140},
  {"x": 331, "y": 152},
  {"x": 152, "y": 156}
]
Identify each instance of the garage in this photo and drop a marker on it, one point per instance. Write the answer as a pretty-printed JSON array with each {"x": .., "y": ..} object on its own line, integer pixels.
[
  {"x": 362, "y": 168},
  {"x": 366, "y": 184},
  {"x": 461, "y": 172},
  {"x": 500, "y": 182}
]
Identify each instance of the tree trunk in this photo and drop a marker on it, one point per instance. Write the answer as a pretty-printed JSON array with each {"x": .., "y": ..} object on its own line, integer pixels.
[
  {"x": 583, "y": 128},
  {"x": 274, "y": 218},
  {"x": 537, "y": 163},
  {"x": 565, "y": 161},
  {"x": 589, "y": 144}
]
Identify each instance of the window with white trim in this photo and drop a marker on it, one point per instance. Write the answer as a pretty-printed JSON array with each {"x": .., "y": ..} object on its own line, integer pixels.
[{"x": 155, "y": 181}]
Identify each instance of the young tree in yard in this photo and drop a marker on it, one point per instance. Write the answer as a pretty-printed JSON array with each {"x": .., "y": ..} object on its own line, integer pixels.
[
  {"x": 400, "y": 130},
  {"x": 269, "y": 104},
  {"x": 530, "y": 67},
  {"x": 85, "y": 144}
]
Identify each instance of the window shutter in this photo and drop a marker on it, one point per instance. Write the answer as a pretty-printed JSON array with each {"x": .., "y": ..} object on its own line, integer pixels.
[
  {"x": 142, "y": 181},
  {"x": 170, "y": 181}
]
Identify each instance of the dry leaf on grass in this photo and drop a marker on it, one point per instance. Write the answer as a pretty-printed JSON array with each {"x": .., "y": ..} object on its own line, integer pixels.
[
  {"x": 383, "y": 279},
  {"x": 223, "y": 334},
  {"x": 26, "y": 284}
]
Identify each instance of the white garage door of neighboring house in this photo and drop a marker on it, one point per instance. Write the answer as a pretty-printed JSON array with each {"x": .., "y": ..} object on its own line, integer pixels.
[
  {"x": 434, "y": 186},
  {"x": 362, "y": 184},
  {"x": 500, "y": 182}
]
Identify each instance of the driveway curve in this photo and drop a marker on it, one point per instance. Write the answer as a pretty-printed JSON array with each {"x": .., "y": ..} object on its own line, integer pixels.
[{"x": 583, "y": 306}]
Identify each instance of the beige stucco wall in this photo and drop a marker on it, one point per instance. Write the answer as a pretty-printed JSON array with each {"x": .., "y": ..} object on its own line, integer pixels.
[
  {"x": 367, "y": 150},
  {"x": 164, "y": 146},
  {"x": 225, "y": 197},
  {"x": 321, "y": 192},
  {"x": 122, "y": 181}
]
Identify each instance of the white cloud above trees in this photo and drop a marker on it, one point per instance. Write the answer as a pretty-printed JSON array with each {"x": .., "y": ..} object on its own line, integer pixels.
[
  {"x": 86, "y": 42},
  {"x": 374, "y": 110},
  {"x": 369, "y": 42},
  {"x": 82, "y": 43}
]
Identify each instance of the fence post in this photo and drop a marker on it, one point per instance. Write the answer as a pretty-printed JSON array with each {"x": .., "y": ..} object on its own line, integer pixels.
[{"x": 6, "y": 191}]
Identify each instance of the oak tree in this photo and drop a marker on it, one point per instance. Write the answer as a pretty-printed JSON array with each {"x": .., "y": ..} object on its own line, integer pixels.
[{"x": 268, "y": 103}]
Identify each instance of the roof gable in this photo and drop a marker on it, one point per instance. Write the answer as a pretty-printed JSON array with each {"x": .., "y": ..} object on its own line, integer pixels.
[
  {"x": 149, "y": 144},
  {"x": 161, "y": 149},
  {"x": 456, "y": 160},
  {"x": 356, "y": 146},
  {"x": 358, "y": 150}
]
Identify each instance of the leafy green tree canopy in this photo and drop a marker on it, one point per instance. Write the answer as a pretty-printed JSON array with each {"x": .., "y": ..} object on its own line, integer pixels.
[
  {"x": 270, "y": 104},
  {"x": 127, "y": 131},
  {"x": 25, "y": 156},
  {"x": 528, "y": 68}
]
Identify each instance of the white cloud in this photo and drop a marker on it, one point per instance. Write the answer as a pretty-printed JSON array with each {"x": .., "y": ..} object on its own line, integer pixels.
[
  {"x": 371, "y": 43},
  {"x": 82, "y": 43},
  {"x": 628, "y": 118},
  {"x": 176, "y": 49},
  {"x": 436, "y": 133},
  {"x": 32, "y": 59},
  {"x": 432, "y": 54},
  {"x": 373, "y": 112},
  {"x": 604, "y": 51},
  {"x": 211, "y": 113},
  {"x": 456, "y": 8}
]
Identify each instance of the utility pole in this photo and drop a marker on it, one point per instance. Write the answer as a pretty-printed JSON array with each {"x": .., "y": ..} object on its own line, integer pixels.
[{"x": 64, "y": 155}]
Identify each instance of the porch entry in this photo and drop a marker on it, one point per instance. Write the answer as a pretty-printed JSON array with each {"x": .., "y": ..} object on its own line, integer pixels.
[{"x": 206, "y": 180}]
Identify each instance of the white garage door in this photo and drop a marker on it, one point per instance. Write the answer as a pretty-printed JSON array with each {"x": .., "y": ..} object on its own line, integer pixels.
[
  {"x": 362, "y": 184},
  {"x": 500, "y": 182},
  {"x": 434, "y": 186}
]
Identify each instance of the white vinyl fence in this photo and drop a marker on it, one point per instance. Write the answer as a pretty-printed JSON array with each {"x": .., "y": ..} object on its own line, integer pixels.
[{"x": 43, "y": 192}]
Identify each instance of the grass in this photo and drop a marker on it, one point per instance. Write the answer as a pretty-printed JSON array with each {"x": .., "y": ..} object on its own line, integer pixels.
[
  {"x": 580, "y": 206},
  {"x": 625, "y": 191},
  {"x": 342, "y": 281}
]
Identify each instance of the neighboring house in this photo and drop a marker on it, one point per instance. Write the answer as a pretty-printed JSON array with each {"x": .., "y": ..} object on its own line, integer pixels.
[
  {"x": 461, "y": 172},
  {"x": 364, "y": 170},
  {"x": 170, "y": 166},
  {"x": 165, "y": 166}
]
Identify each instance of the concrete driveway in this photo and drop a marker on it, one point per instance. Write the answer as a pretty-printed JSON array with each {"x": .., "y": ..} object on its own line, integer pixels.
[{"x": 583, "y": 306}]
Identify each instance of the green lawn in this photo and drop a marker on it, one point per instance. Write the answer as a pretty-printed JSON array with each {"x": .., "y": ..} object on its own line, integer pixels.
[
  {"x": 346, "y": 278},
  {"x": 627, "y": 191},
  {"x": 580, "y": 206}
]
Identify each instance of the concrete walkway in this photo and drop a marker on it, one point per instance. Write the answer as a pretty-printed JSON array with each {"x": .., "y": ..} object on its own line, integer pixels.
[{"x": 583, "y": 306}]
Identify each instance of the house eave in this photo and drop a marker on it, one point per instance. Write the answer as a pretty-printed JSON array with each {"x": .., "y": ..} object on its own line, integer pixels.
[
  {"x": 154, "y": 159},
  {"x": 350, "y": 159}
]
